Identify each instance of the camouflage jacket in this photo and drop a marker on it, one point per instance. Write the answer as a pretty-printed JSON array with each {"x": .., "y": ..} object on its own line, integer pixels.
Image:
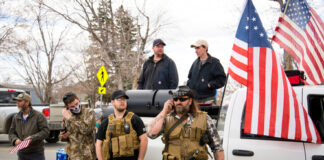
[{"x": 81, "y": 141}]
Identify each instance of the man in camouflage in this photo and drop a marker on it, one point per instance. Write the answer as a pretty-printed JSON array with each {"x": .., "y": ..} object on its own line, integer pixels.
[{"x": 79, "y": 123}]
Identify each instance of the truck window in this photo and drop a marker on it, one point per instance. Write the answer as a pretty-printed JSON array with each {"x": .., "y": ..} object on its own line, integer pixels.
[
  {"x": 316, "y": 111},
  {"x": 7, "y": 97},
  {"x": 254, "y": 136}
]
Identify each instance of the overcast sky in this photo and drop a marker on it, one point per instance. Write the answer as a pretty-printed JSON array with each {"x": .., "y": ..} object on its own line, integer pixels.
[{"x": 214, "y": 21}]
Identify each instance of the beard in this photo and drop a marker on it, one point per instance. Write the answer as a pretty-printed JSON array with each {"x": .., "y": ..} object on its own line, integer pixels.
[
  {"x": 183, "y": 109},
  {"x": 120, "y": 109},
  {"x": 23, "y": 108}
]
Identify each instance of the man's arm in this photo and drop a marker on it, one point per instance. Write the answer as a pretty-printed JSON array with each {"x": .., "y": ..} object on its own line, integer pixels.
[
  {"x": 219, "y": 76},
  {"x": 219, "y": 155},
  {"x": 173, "y": 75},
  {"x": 43, "y": 129},
  {"x": 143, "y": 146},
  {"x": 12, "y": 132},
  {"x": 214, "y": 139},
  {"x": 99, "y": 149},
  {"x": 155, "y": 126},
  {"x": 141, "y": 79},
  {"x": 86, "y": 125}
]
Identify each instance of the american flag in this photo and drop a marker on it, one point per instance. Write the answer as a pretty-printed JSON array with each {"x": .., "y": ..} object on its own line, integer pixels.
[
  {"x": 272, "y": 108},
  {"x": 300, "y": 32},
  {"x": 22, "y": 145}
]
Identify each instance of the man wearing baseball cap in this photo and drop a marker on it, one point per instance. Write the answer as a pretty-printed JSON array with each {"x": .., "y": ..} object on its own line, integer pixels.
[
  {"x": 121, "y": 136},
  {"x": 159, "y": 71},
  {"x": 28, "y": 124},
  {"x": 206, "y": 74}
]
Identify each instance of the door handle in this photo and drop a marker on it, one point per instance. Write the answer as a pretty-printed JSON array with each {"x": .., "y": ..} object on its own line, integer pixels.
[
  {"x": 317, "y": 157},
  {"x": 238, "y": 152}
]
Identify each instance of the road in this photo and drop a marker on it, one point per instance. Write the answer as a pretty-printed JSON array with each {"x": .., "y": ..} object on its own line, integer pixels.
[{"x": 5, "y": 147}]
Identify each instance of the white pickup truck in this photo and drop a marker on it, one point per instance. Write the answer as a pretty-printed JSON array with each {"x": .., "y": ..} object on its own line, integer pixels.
[
  {"x": 8, "y": 109},
  {"x": 238, "y": 145}
]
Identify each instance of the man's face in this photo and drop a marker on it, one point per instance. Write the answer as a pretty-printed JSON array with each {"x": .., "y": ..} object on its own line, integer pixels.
[
  {"x": 200, "y": 51},
  {"x": 120, "y": 104},
  {"x": 22, "y": 105},
  {"x": 158, "y": 50},
  {"x": 73, "y": 104},
  {"x": 182, "y": 104}
]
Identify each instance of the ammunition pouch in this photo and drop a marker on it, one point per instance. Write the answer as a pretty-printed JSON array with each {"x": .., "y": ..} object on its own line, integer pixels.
[
  {"x": 105, "y": 148},
  {"x": 168, "y": 156},
  {"x": 199, "y": 154},
  {"x": 123, "y": 146}
]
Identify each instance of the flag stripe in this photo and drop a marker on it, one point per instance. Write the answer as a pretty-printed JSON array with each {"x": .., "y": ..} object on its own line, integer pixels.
[
  {"x": 292, "y": 47},
  {"x": 299, "y": 37},
  {"x": 274, "y": 95},
  {"x": 309, "y": 43},
  {"x": 262, "y": 93}
]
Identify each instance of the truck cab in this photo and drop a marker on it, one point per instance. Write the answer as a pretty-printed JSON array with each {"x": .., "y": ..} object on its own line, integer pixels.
[{"x": 238, "y": 145}]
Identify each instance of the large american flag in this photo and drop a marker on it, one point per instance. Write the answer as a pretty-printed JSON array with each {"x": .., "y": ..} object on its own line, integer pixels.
[
  {"x": 300, "y": 32},
  {"x": 272, "y": 108},
  {"x": 22, "y": 145}
]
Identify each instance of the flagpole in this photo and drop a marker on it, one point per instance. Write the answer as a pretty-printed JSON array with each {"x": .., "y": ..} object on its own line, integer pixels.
[
  {"x": 220, "y": 107},
  {"x": 282, "y": 16}
]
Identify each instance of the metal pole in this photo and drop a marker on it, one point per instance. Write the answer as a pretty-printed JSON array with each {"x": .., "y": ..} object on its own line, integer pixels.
[
  {"x": 101, "y": 101},
  {"x": 282, "y": 16},
  {"x": 220, "y": 107}
]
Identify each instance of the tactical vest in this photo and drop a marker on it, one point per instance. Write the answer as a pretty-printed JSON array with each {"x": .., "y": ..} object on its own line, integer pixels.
[
  {"x": 184, "y": 144},
  {"x": 117, "y": 141}
]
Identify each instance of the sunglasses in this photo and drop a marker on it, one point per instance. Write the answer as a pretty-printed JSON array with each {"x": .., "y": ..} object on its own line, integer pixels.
[{"x": 182, "y": 99}]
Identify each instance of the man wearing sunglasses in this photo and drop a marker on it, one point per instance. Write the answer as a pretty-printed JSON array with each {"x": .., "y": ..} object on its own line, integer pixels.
[
  {"x": 186, "y": 130},
  {"x": 79, "y": 123}
]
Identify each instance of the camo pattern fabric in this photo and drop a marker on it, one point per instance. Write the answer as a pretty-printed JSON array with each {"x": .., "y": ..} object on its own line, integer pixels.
[
  {"x": 215, "y": 143},
  {"x": 81, "y": 141}
]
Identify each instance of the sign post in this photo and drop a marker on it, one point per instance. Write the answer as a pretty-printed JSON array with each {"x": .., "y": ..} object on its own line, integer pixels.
[{"x": 102, "y": 76}]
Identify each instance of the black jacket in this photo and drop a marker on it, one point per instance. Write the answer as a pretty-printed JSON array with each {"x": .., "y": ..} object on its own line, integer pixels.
[
  {"x": 211, "y": 72},
  {"x": 162, "y": 75}
]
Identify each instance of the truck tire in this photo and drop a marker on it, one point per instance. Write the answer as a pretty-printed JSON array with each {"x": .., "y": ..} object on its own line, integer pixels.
[{"x": 53, "y": 137}]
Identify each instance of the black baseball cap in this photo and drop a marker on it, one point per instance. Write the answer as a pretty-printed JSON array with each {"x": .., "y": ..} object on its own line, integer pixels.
[
  {"x": 157, "y": 42},
  {"x": 118, "y": 94}
]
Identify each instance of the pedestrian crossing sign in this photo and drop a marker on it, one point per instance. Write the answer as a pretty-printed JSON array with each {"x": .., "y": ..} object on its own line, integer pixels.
[{"x": 102, "y": 75}]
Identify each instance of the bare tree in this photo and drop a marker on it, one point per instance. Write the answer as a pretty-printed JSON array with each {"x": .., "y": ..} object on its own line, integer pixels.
[
  {"x": 104, "y": 28},
  {"x": 36, "y": 55}
]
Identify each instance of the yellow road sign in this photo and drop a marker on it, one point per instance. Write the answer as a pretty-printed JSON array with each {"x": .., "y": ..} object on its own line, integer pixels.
[
  {"x": 102, "y": 75},
  {"x": 102, "y": 90}
]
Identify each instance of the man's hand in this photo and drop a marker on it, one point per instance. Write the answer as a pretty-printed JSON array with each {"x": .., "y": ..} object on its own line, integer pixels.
[
  {"x": 17, "y": 142},
  {"x": 168, "y": 106},
  {"x": 66, "y": 114},
  {"x": 65, "y": 134}
]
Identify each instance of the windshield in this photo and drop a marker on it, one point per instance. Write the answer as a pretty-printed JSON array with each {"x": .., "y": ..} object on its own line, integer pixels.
[{"x": 7, "y": 97}]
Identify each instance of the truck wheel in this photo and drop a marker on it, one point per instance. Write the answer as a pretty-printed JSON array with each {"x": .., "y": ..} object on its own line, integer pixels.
[{"x": 53, "y": 137}]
